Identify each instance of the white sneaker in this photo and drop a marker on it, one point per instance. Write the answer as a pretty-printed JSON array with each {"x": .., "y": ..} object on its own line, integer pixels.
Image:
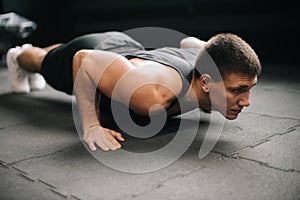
[
  {"x": 36, "y": 81},
  {"x": 17, "y": 77}
]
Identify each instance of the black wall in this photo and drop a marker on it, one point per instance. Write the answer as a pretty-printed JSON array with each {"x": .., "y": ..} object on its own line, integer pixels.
[
  {"x": 51, "y": 16},
  {"x": 271, "y": 27}
]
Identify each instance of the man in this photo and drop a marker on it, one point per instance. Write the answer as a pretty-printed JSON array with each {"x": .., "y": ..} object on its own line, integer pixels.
[{"x": 147, "y": 81}]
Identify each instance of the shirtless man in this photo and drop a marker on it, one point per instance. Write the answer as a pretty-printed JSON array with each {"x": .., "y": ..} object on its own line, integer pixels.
[{"x": 154, "y": 79}]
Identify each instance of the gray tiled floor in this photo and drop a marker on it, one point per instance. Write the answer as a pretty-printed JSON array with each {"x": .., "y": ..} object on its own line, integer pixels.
[{"x": 256, "y": 156}]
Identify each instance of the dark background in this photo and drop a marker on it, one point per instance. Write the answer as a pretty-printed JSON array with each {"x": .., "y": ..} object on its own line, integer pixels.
[{"x": 271, "y": 27}]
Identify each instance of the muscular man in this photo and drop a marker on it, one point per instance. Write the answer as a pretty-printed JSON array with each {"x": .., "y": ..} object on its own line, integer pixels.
[{"x": 147, "y": 81}]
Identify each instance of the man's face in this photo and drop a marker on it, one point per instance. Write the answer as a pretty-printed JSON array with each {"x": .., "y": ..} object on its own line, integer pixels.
[{"x": 237, "y": 92}]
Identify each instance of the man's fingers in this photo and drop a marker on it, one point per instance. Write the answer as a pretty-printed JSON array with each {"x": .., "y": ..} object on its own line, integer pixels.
[
  {"x": 117, "y": 135},
  {"x": 111, "y": 142},
  {"x": 92, "y": 145},
  {"x": 101, "y": 144},
  {"x": 107, "y": 140}
]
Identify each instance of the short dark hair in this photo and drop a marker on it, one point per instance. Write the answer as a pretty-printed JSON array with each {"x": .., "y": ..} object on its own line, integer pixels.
[{"x": 230, "y": 54}]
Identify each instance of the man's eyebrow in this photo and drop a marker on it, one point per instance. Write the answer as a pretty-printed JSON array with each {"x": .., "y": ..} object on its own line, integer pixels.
[{"x": 243, "y": 86}]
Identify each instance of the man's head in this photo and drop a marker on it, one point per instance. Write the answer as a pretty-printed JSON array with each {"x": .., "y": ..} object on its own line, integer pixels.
[{"x": 226, "y": 62}]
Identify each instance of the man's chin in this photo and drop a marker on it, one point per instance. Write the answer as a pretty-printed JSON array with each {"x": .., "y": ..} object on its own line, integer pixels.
[{"x": 231, "y": 116}]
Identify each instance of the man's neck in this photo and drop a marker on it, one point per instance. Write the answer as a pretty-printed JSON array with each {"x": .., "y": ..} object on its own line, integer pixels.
[{"x": 196, "y": 96}]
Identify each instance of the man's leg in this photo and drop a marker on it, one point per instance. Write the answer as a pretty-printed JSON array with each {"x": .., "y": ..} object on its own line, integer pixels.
[
  {"x": 55, "y": 63},
  {"x": 32, "y": 58},
  {"x": 24, "y": 63}
]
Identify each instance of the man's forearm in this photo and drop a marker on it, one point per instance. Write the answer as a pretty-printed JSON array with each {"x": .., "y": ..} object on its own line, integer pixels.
[{"x": 85, "y": 92}]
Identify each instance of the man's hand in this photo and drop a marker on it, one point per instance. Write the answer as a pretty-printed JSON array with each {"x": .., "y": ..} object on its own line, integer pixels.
[{"x": 105, "y": 138}]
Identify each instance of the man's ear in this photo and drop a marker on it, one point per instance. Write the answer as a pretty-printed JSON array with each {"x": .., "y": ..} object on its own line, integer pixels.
[{"x": 205, "y": 80}]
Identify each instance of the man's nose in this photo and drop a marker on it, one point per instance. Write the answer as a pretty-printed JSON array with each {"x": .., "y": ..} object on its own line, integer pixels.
[{"x": 245, "y": 100}]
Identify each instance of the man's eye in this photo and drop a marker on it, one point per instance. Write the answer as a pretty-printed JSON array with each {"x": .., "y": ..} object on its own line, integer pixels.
[{"x": 238, "y": 90}]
